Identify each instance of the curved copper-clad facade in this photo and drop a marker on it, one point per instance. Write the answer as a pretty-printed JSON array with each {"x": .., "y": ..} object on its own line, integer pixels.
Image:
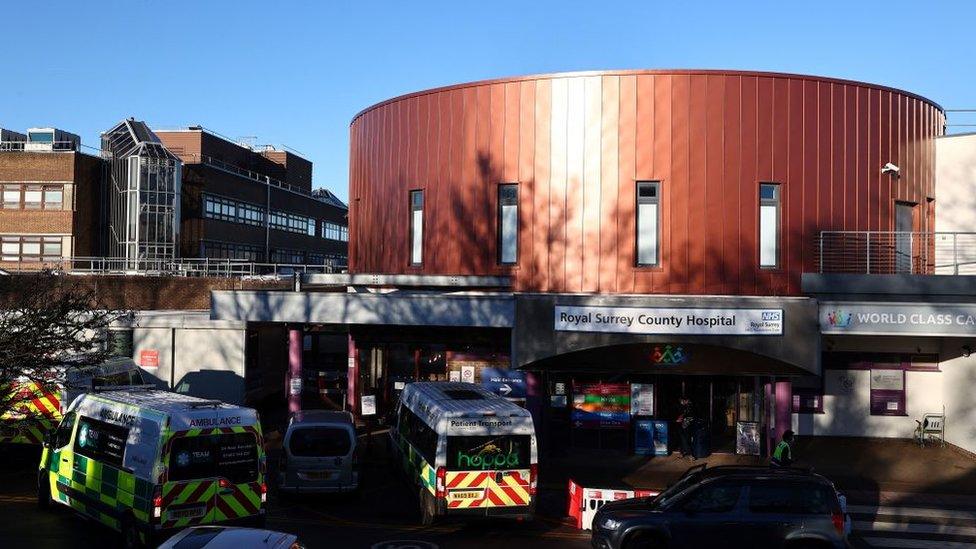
[{"x": 577, "y": 143}]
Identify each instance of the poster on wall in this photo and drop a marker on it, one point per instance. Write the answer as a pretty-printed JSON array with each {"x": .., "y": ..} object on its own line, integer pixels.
[
  {"x": 454, "y": 375},
  {"x": 601, "y": 406},
  {"x": 642, "y": 399},
  {"x": 467, "y": 374},
  {"x": 747, "y": 438},
  {"x": 149, "y": 358}
]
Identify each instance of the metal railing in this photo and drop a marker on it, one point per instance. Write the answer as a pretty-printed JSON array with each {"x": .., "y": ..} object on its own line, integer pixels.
[
  {"x": 894, "y": 252},
  {"x": 25, "y": 146},
  {"x": 187, "y": 267}
]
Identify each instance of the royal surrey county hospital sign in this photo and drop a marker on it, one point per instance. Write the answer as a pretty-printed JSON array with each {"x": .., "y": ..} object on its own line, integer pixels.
[
  {"x": 920, "y": 319},
  {"x": 657, "y": 320}
]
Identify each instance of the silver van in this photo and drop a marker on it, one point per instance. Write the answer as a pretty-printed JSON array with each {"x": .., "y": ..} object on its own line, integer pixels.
[{"x": 319, "y": 453}]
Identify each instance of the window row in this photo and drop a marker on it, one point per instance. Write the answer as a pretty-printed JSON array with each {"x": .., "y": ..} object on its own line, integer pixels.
[
  {"x": 225, "y": 209},
  {"x": 236, "y": 211},
  {"x": 30, "y": 248},
  {"x": 25, "y": 196},
  {"x": 292, "y": 223},
  {"x": 647, "y": 227},
  {"x": 334, "y": 231},
  {"x": 229, "y": 250}
]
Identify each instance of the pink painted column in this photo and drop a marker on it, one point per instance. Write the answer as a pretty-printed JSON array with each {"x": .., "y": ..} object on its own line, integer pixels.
[
  {"x": 352, "y": 375},
  {"x": 784, "y": 410},
  {"x": 294, "y": 378}
]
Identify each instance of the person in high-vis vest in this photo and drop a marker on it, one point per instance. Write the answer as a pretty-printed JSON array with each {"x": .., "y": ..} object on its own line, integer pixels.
[{"x": 783, "y": 454}]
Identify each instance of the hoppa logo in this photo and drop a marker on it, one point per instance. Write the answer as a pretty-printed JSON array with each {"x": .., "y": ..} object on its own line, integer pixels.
[{"x": 839, "y": 319}]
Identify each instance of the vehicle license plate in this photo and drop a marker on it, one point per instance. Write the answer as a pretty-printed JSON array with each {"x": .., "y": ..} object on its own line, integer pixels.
[
  {"x": 464, "y": 495},
  {"x": 190, "y": 512},
  {"x": 315, "y": 475}
]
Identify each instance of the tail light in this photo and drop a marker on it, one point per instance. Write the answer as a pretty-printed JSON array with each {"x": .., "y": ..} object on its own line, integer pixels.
[
  {"x": 533, "y": 478},
  {"x": 224, "y": 483},
  {"x": 440, "y": 487},
  {"x": 838, "y": 519},
  {"x": 157, "y": 502},
  {"x": 264, "y": 492}
]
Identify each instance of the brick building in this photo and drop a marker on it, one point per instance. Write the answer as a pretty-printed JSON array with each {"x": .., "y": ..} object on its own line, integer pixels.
[
  {"x": 50, "y": 198},
  {"x": 241, "y": 203},
  {"x": 153, "y": 197}
]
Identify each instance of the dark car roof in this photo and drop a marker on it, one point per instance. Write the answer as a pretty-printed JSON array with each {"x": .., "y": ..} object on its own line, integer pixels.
[{"x": 756, "y": 472}]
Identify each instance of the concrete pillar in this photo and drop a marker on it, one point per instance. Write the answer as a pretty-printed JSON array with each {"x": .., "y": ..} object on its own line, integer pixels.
[
  {"x": 352, "y": 375},
  {"x": 294, "y": 389}
]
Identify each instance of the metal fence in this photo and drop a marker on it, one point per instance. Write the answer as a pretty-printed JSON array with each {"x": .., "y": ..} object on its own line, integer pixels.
[
  {"x": 190, "y": 267},
  {"x": 893, "y": 252}
]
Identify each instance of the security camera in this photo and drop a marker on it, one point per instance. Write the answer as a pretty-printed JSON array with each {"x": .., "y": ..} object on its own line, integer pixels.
[{"x": 890, "y": 168}]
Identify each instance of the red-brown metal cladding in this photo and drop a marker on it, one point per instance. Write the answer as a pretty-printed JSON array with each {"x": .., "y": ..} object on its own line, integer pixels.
[{"x": 578, "y": 143}]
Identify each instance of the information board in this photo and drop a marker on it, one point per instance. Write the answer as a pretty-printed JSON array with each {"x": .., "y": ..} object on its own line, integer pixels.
[{"x": 601, "y": 406}]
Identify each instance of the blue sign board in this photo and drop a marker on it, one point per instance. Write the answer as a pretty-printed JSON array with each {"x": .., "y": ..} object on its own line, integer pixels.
[
  {"x": 506, "y": 383},
  {"x": 651, "y": 437}
]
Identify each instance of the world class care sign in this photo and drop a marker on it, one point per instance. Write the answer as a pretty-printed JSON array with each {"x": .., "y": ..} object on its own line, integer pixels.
[
  {"x": 658, "y": 320},
  {"x": 934, "y": 319}
]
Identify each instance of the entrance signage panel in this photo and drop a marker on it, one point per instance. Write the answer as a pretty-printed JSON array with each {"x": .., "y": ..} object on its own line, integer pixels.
[
  {"x": 502, "y": 382},
  {"x": 923, "y": 319},
  {"x": 668, "y": 320},
  {"x": 601, "y": 406}
]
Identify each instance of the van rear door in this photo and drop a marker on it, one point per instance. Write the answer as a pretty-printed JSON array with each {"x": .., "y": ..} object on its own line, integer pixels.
[
  {"x": 488, "y": 471},
  {"x": 320, "y": 455},
  {"x": 213, "y": 476}
]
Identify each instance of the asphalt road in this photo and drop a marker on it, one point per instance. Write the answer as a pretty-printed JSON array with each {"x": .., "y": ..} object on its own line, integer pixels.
[{"x": 383, "y": 516}]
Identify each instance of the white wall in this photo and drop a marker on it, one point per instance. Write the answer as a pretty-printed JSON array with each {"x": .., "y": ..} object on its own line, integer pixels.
[
  {"x": 847, "y": 406},
  {"x": 210, "y": 364},
  {"x": 197, "y": 356},
  {"x": 958, "y": 385}
]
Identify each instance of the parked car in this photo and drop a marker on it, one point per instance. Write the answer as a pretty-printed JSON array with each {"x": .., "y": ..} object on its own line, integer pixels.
[
  {"x": 220, "y": 537},
  {"x": 729, "y": 507},
  {"x": 319, "y": 453}
]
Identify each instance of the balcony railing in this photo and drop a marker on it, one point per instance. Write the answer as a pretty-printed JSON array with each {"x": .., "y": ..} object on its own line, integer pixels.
[
  {"x": 24, "y": 146},
  {"x": 188, "y": 267},
  {"x": 893, "y": 252}
]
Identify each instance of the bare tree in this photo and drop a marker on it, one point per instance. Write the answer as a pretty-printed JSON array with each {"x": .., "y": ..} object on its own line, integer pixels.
[{"x": 49, "y": 323}]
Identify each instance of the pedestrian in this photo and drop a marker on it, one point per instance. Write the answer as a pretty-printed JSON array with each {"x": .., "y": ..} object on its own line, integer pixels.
[
  {"x": 783, "y": 454},
  {"x": 686, "y": 425}
]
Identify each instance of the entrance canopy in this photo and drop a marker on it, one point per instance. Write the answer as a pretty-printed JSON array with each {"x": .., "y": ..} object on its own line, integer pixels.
[{"x": 784, "y": 330}]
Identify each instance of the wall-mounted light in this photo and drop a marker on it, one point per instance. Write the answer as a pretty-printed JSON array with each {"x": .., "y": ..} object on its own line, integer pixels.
[{"x": 890, "y": 168}]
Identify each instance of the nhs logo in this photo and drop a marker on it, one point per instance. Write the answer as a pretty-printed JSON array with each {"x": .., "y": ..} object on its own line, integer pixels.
[{"x": 772, "y": 316}]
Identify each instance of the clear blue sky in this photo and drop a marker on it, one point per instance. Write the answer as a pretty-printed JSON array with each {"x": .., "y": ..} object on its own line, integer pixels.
[{"x": 295, "y": 73}]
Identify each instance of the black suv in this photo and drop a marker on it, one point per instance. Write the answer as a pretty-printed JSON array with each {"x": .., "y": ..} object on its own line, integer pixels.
[{"x": 729, "y": 507}]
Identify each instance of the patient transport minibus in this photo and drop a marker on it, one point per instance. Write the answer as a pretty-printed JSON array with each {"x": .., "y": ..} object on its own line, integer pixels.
[
  {"x": 468, "y": 451},
  {"x": 146, "y": 462}
]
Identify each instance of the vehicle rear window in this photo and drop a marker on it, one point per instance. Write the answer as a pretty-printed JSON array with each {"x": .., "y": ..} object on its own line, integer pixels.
[
  {"x": 119, "y": 379},
  {"x": 320, "y": 442},
  {"x": 198, "y": 538},
  {"x": 488, "y": 452},
  {"x": 233, "y": 456},
  {"x": 805, "y": 498}
]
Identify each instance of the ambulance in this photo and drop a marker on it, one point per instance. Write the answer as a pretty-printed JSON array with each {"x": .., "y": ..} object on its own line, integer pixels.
[
  {"x": 38, "y": 405},
  {"x": 149, "y": 462},
  {"x": 468, "y": 451}
]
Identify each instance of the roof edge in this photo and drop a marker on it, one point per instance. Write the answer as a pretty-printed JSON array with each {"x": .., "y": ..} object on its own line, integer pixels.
[{"x": 638, "y": 72}]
